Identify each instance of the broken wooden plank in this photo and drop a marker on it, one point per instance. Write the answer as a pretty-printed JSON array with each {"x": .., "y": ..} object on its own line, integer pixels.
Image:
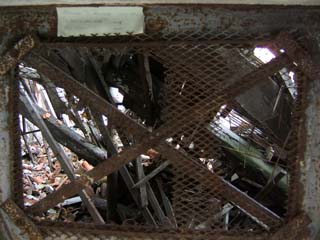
[
  {"x": 141, "y": 198},
  {"x": 154, "y": 172},
  {"x": 148, "y": 75},
  {"x": 58, "y": 105},
  {"x": 61, "y": 107},
  {"x": 156, "y": 206},
  {"x": 26, "y": 140},
  {"x": 142, "y": 188},
  {"x": 112, "y": 148},
  {"x": 135, "y": 195},
  {"x": 66, "y": 136},
  {"x": 112, "y": 179},
  {"x": 100, "y": 76},
  {"x": 167, "y": 204},
  {"x": 124, "y": 173},
  {"x": 150, "y": 195}
]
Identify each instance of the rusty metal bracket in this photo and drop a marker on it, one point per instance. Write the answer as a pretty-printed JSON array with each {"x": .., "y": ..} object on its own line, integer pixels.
[
  {"x": 18, "y": 217},
  {"x": 297, "y": 54},
  {"x": 297, "y": 228},
  {"x": 14, "y": 55}
]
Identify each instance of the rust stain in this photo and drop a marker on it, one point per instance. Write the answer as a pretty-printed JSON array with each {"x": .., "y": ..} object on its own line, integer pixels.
[
  {"x": 21, "y": 220},
  {"x": 156, "y": 25}
]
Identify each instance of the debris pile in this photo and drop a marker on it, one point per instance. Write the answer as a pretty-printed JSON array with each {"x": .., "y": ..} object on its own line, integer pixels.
[{"x": 81, "y": 107}]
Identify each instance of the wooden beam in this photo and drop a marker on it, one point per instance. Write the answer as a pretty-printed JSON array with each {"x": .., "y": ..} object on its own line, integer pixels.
[
  {"x": 67, "y": 137},
  {"x": 154, "y": 172}
]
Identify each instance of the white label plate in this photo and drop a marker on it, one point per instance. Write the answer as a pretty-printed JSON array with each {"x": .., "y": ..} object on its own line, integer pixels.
[{"x": 99, "y": 21}]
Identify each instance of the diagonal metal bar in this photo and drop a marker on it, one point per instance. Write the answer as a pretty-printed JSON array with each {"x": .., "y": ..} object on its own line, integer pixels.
[{"x": 199, "y": 110}]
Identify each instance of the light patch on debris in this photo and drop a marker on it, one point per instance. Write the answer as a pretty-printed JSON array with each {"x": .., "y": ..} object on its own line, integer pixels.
[{"x": 264, "y": 54}]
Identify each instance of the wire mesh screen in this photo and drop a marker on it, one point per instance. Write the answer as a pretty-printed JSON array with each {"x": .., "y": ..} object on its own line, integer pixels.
[{"x": 204, "y": 143}]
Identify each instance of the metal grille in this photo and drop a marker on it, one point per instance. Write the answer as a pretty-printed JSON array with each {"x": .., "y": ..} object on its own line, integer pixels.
[{"x": 195, "y": 197}]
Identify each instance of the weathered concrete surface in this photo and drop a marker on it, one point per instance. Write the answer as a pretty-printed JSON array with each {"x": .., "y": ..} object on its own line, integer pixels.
[
  {"x": 128, "y": 2},
  {"x": 5, "y": 186},
  {"x": 310, "y": 167}
]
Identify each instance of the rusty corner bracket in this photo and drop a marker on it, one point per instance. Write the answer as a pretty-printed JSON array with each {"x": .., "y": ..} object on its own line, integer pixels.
[
  {"x": 297, "y": 54},
  {"x": 15, "y": 54},
  {"x": 18, "y": 217},
  {"x": 297, "y": 228}
]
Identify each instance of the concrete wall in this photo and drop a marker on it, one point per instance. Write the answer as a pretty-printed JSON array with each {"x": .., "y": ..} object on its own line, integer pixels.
[{"x": 127, "y": 2}]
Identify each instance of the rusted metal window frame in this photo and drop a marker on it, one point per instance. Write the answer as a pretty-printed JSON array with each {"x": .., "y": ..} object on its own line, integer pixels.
[{"x": 43, "y": 21}]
